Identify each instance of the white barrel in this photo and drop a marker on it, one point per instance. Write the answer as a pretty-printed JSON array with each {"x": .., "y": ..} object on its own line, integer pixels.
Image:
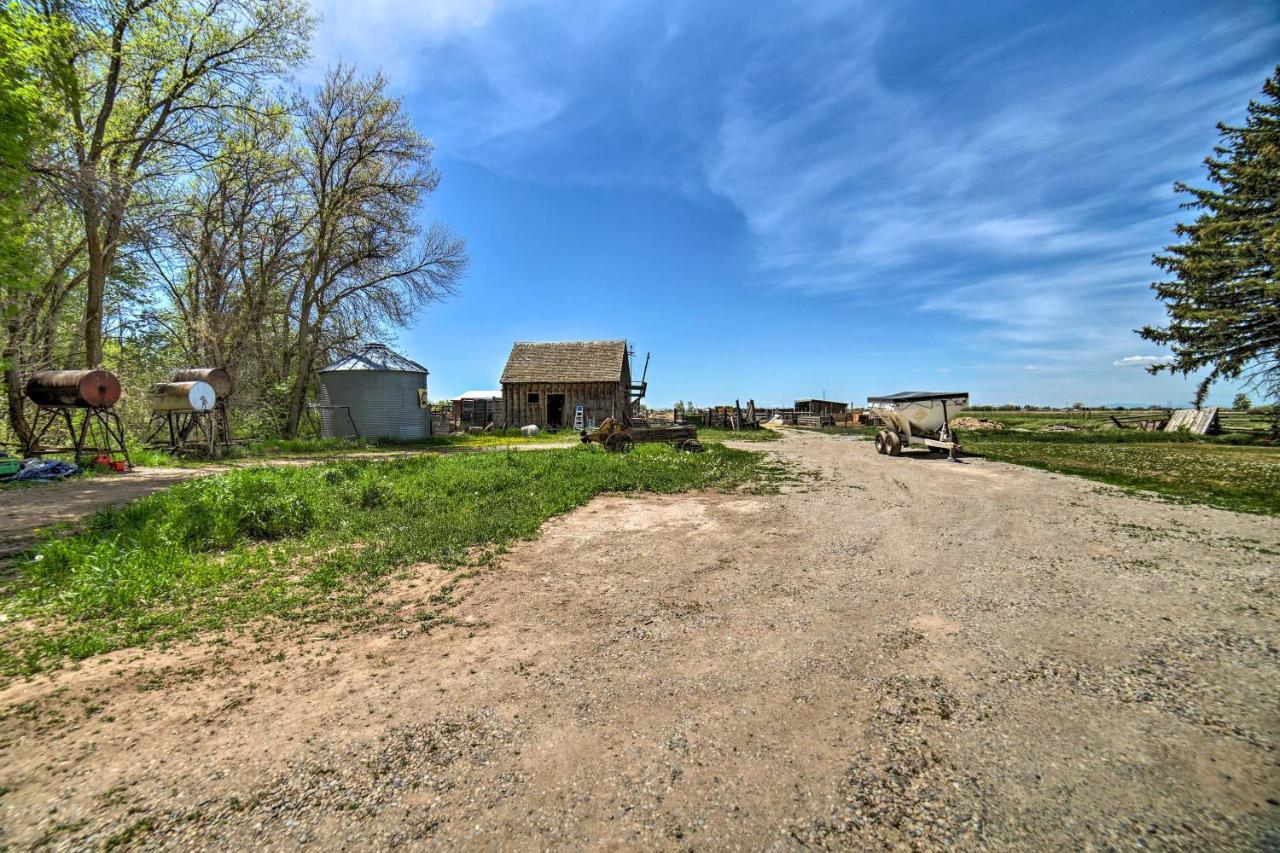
[{"x": 182, "y": 397}]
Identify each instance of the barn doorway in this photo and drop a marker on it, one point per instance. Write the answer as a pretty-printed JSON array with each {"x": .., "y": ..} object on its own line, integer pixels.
[{"x": 555, "y": 411}]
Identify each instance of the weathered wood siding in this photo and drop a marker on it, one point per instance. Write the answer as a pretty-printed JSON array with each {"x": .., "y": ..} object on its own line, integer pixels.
[
  {"x": 600, "y": 399},
  {"x": 479, "y": 411}
]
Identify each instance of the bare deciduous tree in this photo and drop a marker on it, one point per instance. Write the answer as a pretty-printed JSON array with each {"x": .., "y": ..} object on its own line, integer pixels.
[{"x": 365, "y": 258}]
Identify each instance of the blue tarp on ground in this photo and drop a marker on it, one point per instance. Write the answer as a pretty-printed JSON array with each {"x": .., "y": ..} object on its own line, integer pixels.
[{"x": 41, "y": 469}]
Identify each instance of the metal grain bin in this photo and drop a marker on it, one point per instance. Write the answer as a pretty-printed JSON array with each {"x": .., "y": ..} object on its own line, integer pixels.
[{"x": 374, "y": 393}]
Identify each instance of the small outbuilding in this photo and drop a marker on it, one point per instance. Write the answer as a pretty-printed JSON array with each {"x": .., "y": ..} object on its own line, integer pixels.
[
  {"x": 478, "y": 409},
  {"x": 820, "y": 407},
  {"x": 374, "y": 393},
  {"x": 545, "y": 383}
]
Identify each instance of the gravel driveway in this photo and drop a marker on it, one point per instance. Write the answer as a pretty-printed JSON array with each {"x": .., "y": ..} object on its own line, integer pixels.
[{"x": 901, "y": 652}]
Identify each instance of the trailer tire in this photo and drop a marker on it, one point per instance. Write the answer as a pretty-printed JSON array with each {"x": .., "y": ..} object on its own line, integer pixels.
[
  {"x": 894, "y": 444},
  {"x": 880, "y": 442}
]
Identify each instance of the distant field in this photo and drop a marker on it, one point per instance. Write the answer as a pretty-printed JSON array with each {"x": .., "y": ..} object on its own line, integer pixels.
[
  {"x": 1019, "y": 419},
  {"x": 1237, "y": 477},
  {"x": 1230, "y": 472},
  {"x": 1099, "y": 420}
]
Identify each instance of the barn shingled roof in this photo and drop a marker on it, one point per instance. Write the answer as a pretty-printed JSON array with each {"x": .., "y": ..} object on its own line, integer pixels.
[{"x": 566, "y": 361}]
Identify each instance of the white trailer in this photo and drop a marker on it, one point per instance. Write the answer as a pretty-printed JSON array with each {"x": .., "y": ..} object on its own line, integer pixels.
[{"x": 922, "y": 418}]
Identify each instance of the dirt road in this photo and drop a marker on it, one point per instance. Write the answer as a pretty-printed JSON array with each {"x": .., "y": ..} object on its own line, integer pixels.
[{"x": 903, "y": 652}]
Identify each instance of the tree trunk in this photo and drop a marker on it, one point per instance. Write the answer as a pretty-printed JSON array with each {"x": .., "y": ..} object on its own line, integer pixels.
[
  {"x": 14, "y": 396},
  {"x": 298, "y": 395},
  {"x": 96, "y": 291}
]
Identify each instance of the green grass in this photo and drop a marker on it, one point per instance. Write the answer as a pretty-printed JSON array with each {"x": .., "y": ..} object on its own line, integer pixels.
[
  {"x": 273, "y": 448},
  {"x": 1216, "y": 473},
  {"x": 1038, "y": 420},
  {"x": 282, "y": 447},
  {"x": 707, "y": 434},
  {"x": 307, "y": 544}
]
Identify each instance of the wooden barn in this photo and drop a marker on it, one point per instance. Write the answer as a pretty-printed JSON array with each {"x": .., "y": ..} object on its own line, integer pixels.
[{"x": 544, "y": 383}]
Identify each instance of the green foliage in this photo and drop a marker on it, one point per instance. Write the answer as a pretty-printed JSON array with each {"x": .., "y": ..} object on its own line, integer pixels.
[
  {"x": 28, "y": 45},
  {"x": 306, "y": 543},
  {"x": 1242, "y": 403},
  {"x": 1223, "y": 299}
]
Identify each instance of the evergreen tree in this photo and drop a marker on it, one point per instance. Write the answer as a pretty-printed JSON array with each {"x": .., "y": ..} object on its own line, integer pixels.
[{"x": 1224, "y": 296}]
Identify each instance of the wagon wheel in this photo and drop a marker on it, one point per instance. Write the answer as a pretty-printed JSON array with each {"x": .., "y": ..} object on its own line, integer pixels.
[
  {"x": 691, "y": 445},
  {"x": 893, "y": 444},
  {"x": 880, "y": 447},
  {"x": 619, "y": 442}
]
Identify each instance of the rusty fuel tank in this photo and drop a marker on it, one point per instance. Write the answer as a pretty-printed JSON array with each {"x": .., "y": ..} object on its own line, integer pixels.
[
  {"x": 82, "y": 389},
  {"x": 182, "y": 397},
  {"x": 215, "y": 376}
]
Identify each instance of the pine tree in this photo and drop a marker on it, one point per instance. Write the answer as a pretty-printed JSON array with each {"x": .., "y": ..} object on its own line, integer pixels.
[{"x": 1224, "y": 297}]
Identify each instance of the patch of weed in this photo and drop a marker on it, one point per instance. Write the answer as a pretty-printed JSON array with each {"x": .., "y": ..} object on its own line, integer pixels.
[{"x": 307, "y": 544}]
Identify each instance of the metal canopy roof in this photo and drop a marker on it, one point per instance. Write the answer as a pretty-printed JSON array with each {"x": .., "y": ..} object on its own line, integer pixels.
[
  {"x": 376, "y": 357},
  {"x": 480, "y": 395},
  {"x": 910, "y": 396}
]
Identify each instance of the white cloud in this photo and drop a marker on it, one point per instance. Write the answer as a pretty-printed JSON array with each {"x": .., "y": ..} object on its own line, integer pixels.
[
  {"x": 861, "y": 184},
  {"x": 1018, "y": 188},
  {"x": 388, "y": 33},
  {"x": 1141, "y": 360}
]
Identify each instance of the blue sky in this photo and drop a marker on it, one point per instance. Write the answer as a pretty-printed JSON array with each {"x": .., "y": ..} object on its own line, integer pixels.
[{"x": 783, "y": 200}]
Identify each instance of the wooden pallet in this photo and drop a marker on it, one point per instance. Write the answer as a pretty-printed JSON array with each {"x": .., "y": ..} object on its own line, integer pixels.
[{"x": 1194, "y": 421}]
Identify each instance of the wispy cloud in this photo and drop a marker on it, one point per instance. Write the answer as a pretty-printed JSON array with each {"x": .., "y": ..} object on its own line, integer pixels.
[
  {"x": 1028, "y": 211},
  {"x": 1006, "y": 169},
  {"x": 1141, "y": 360},
  {"x": 388, "y": 33}
]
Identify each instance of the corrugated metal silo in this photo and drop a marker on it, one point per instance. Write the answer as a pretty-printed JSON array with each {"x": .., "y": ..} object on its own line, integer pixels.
[{"x": 374, "y": 393}]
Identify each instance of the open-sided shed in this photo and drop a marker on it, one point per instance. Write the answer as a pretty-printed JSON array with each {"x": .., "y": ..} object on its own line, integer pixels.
[{"x": 820, "y": 407}]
